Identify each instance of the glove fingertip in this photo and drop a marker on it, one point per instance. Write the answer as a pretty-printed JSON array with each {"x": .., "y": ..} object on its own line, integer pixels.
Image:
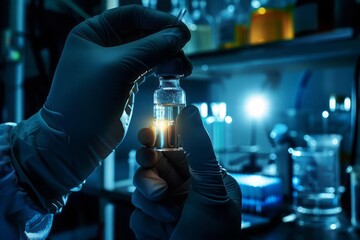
[
  {"x": 189, "y": 116},
  {"x": 146, "y": 136},
  {"x": 178, "y": 35},
  {"x": 146, "y": 157}
]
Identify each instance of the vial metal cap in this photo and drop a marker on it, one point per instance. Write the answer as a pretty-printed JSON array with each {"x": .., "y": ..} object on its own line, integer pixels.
[{"x": 174, "y": 67}]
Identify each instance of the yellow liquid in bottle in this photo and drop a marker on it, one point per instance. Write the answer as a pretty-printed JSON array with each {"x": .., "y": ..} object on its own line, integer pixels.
[
  {"x": 268, "y": 25},
  {"x": 241, "y": 35}
]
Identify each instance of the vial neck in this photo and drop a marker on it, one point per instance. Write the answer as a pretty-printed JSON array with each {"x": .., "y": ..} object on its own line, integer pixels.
[{"x": 171, "y": 81}]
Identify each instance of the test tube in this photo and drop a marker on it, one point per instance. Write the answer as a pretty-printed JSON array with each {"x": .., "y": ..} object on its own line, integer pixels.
[{"x": 180, "y": 16}]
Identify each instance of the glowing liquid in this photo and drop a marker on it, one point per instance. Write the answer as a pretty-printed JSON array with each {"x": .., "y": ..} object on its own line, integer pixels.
[
  {"x": 269, "y": 25},
  {"x": 164, "y": 122}
]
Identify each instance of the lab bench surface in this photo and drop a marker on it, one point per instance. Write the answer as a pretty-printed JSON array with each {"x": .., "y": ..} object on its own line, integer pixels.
[
  {"x": 291, "y": 231},
  {"x": 267, "y": 230},
  {"x": 272, "y": 230}
]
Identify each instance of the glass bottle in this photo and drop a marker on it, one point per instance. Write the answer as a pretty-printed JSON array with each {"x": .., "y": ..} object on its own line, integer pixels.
[
  {"x": 233, "y": 26},
  {"x": 169, "y": 100},
  {"x": 176, "y": 7},
  {"x": 202, "y": 29},
  {"x": 153, "y": 4},
  {"x": 271, "y": 20}
]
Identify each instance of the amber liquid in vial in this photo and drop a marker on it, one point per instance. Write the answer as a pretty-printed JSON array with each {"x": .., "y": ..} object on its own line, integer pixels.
[{"x": 164, "y": 122}]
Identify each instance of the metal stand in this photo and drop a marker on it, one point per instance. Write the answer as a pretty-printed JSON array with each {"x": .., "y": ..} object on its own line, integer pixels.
[{"x": 13, "y": 73}]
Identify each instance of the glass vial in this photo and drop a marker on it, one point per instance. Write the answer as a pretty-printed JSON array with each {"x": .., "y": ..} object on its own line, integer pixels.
[{"x": 169, "y": 100}]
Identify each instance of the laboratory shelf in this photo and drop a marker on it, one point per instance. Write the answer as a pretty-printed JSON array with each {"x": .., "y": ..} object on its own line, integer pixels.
[{"x": 332, "y": 49}]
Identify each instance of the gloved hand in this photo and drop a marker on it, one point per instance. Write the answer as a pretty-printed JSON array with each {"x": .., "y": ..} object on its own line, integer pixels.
[
  {"x": 212, "y": 209},
  {"x": 89, "y": 107}
]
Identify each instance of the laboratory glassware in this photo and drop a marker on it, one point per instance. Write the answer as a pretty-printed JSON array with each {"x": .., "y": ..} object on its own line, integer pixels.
[
  {"x": 169, "y": 100},
  {"x": 176, "y": 7},
  {"x": 233, "y": 26},
  {"x": 202, "y": 28},
  {"x": 355, "y": 195},
  {"x": 316, "y": 187},
  {"x": 271, "y": 20}
]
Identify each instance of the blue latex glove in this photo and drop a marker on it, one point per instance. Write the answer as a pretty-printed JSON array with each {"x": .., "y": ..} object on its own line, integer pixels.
[
  {"x": 89, "y": 107},
  {"x": 184, "y": 195}
]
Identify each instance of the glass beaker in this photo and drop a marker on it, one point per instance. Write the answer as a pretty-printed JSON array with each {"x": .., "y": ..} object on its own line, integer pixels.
[
  {"x": 316, "y": 187},
  {"x": 326, "y": 142},
  {"x": 323, "y": 141},
  {"x": 355, "y": 196}
]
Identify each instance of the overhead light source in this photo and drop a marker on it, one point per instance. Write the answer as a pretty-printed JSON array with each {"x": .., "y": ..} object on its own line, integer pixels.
[{"x": 257, "y": 107}]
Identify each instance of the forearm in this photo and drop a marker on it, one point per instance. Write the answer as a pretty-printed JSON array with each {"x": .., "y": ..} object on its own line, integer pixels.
[
  {"x": 20, "y": 216},
  {"x": 45, "y": 162}
]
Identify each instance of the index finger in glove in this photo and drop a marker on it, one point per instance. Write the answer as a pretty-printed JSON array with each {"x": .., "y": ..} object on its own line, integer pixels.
[
  {"x": 165, "y": 161},
  {"x": 147, "y": 136},
  {"x": 168, "y": 168},
  {"x": 147, "y": 157},
  {"x": 156, "y": 181},
  {"x": 164, "y": 211},
  {"x": 148, "y": 182}
]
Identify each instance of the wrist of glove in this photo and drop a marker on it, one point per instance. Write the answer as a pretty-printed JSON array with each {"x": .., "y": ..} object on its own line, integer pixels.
[{"x": 212, "y": 207}]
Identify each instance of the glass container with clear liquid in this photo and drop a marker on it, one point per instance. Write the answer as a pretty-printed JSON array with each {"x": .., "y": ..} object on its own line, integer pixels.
[
  {"x": 316, "y": 181},
  {"x": 169, "y": 100}
]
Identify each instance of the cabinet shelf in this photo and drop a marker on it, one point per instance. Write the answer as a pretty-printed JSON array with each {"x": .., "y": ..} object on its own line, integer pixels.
[{"x": 337, "y": 48}]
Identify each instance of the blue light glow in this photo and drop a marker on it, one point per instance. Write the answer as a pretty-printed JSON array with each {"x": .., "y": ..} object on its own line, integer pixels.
[{"x": 257, "y": 107}]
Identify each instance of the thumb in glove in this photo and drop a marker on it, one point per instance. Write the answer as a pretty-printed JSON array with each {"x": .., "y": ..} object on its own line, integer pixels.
[
  {"x": 213, "y": 207},
  {"x": 206, "y": 177}
]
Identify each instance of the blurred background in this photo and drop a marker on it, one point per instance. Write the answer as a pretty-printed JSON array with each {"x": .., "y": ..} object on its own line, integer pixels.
[{"x": 272, "y": 79}]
